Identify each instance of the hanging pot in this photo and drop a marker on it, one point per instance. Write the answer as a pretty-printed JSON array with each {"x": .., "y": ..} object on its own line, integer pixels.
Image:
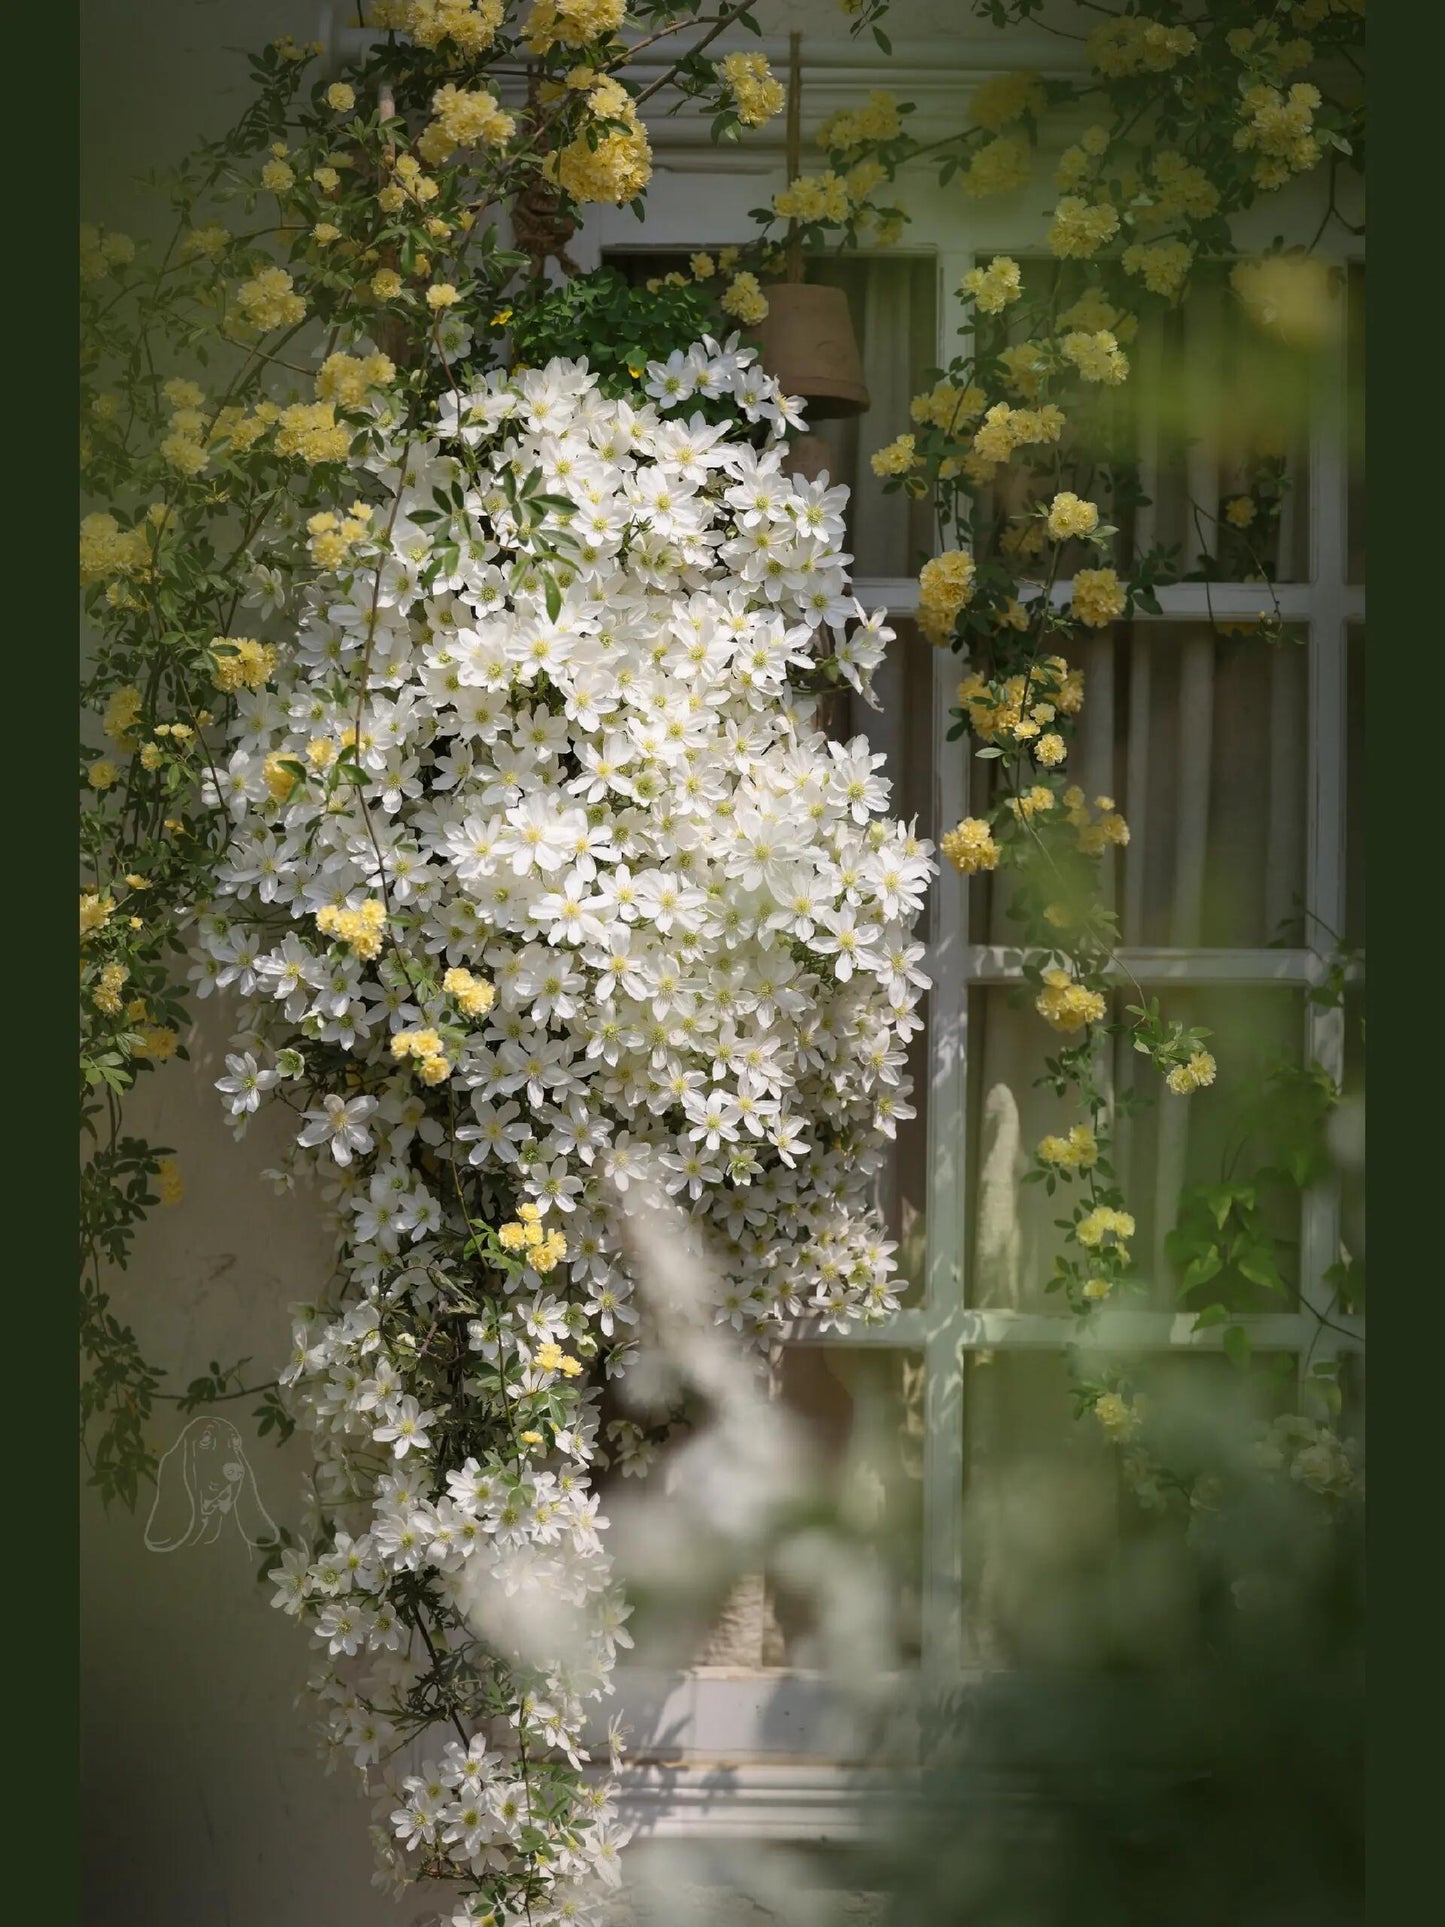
[{"x": 807, "y": 344}]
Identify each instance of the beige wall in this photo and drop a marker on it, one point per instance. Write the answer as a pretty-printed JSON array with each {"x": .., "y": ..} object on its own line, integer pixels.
[{"x": 203, "y": 1799}]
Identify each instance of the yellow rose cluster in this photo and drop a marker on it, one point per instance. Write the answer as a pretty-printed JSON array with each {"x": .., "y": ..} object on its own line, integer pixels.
[
  {"x": 1117, "y": 1416},
  {"x": 619, "y": 167},
  {"x": 970, "y": 847},
  {"x": 243, "y": 663},
  {"x": 464, "y": 117},
  {"x": 995, "y": 286},
  {"x": 945, "y": 587},
  {"x": 1182, "y": 191},
  {"x": 1093, "y": 312},
  {"x": 121, "y": 714},
  {"x": 473, "y": 996},
  {"x": 424, "y": 1049},
  {"x": 1133, "y": 44},
  {"x": 1005, "y": 429},
  {"x": 108, "y": 987},
  {"x": 814, "y": 197},
  {"x": 311, "y": 430},
  {"x": 946, "y": 406},
  {"x": 895, "y": 457},
  {"x": 106, "y": 549},
  {"x": 268, "y": 300},
  {"x": 1098, "y": 357},
  {"x": 544, "y": 1250},
  {"x": 1052, "y": 688},
  {"x": 1163, "y": 268},
  {"x": 549, "y": 1355},
  {"x": 184, "y": 447},
  {"x": 1278, "y": 129},
  {"x": 851, "y": 128},
  {"x": 743, "y": 298},
  {"x": 332, "y": 537},
  {"x": 470, "y": 27},
  {"x": 99, "y": 253},
  {"x": 1066, "y": 1005},
  {"x": 348, "y": 379},
  {"x": 1098, "y": 597},
  {"x": 361, "y": 927},
  {"x": 1005, "y": 98},
  {"x": 1069, "y": 516},
  {"x": 1079, "y": 1151},
  {"x": 571, "y": 23},
  {"x": 1095, "y": 833},
  {"x": 1080, "y": 228},
  {"x": 1101, "y": 1223},
  {"x": 998, "y": 167},
  {"x": 1193, "y": 1075},
  {"x": 757, "y": 93},
  {"x": 96, "y": 910}
]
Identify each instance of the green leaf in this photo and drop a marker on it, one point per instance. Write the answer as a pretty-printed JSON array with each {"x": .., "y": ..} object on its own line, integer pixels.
[
  {"x": 1237, "y": 1347},
  {"x": 1204, "y": 1267}
]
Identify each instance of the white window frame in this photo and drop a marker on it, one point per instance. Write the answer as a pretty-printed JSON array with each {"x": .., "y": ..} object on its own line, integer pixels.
[{"x": 729, "y": 1754}]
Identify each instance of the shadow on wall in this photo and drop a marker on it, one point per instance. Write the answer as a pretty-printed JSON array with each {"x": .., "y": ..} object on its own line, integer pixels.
[{"x": 203, "y": 1794}]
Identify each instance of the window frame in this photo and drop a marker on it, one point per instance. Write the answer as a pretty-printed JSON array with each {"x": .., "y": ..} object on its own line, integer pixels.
[{"x": 722, "y": 1752}]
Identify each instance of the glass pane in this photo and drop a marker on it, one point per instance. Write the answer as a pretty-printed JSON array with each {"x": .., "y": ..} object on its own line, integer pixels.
[
  {"x": 893, "y": 301},
  {"x": 1012, "y": 1237},
  {"x": 1065, "y": 1562},
  {"x": 863, "y": 1408},
  {"x": 1165, "y": 1148},
  {"x": 1214, "y": 786},
  {"x": 1201, "y": 737},
  {"x": 1041, "y": 1509},
  {"x": 1215, "y": 412},
  {"x": 1172, "y": 1147}
]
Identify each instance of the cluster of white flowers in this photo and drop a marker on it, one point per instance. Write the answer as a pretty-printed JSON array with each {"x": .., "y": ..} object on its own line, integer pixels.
[{"x": 547, "y": 885}]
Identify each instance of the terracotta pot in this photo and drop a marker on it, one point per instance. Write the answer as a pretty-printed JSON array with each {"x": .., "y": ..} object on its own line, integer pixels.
[{"x": 806, "y": 341}]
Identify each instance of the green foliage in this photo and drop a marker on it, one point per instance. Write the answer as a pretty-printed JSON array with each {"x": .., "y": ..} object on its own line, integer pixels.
[{"x": 617, "y": 327}]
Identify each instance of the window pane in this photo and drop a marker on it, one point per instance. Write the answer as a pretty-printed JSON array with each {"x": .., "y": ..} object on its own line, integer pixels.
[
  {"x": 1214, "y": 784},
  {"x": 1214, "y": 411},
  {"x": 863, "y": 1407},
  {"x": 1165, "y": 1150},
  {"x": 1012, "y": 1237},
  {"x": 1041, "y": 1509},
  {"x": 1064, "y": 1562},
  {"x": 1239, "y": 1128},
  {"x": 1201, "y": 738},
  {"x": 893, "y": 302}
]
